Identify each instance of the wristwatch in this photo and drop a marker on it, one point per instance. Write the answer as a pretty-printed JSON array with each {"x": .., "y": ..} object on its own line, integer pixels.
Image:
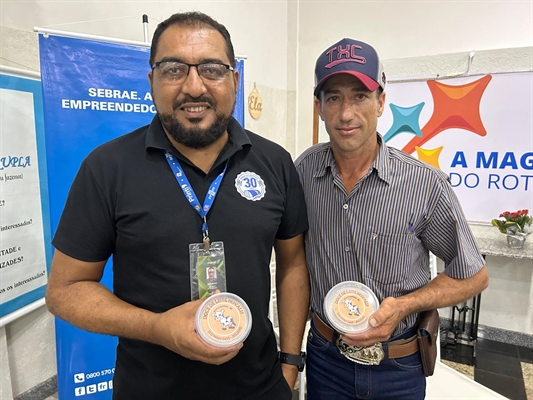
[{"x": 293, "y": 359}]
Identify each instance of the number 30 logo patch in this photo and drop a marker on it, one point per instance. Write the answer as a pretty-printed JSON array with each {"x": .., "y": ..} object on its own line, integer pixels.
[{"x": 250, "y": 186}]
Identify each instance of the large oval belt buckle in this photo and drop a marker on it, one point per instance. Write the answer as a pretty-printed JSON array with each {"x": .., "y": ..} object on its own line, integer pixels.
[{"x": 369, "y": 355}]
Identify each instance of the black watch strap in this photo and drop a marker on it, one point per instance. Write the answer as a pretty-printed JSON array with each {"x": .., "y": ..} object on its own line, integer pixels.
[{"x": 293, "y": 359}]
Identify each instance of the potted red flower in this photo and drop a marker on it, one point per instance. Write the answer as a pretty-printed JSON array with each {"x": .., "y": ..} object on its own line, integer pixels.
[{"x": 517, "y": 225}]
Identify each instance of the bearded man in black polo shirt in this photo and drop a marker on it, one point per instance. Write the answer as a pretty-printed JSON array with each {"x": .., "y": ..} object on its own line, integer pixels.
[{"x": 126, "y": 202}]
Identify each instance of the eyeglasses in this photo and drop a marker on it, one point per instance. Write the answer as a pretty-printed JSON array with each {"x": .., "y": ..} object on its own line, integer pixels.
[{"x": 174, "y": 71}]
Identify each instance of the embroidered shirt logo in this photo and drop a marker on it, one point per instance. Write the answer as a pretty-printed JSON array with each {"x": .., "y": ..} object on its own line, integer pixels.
[{"x": 250, "y": 186}]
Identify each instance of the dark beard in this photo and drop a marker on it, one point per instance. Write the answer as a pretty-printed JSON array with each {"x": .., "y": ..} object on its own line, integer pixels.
[{"x": 195, "y": 138}]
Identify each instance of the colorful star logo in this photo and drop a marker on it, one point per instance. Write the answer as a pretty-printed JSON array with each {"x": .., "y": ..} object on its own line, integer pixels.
[
  {"x": 405, "y": 119},
  {"x": 429, "y": 156},
  {"x": 453, "y": 107}
]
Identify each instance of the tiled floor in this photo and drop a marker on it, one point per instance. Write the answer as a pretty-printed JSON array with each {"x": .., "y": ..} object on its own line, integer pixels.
[{"x": 502, "y": 367}]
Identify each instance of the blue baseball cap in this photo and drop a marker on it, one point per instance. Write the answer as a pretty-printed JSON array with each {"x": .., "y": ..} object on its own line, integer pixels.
[{"x": 351, "y": 57}]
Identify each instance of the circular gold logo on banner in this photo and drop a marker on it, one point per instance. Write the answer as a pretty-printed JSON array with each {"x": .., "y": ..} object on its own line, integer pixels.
[{"x": 255, "y": 104}]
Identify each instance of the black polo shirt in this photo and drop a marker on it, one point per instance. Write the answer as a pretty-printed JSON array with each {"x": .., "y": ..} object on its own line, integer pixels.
[{"x": 126, "y": 202}]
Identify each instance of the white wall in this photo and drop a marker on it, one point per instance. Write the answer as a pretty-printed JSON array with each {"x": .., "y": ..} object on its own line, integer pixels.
[
  {"x": 282, "y": 39},
  {"x": 27, "y": 352},
  {"x": 6, "y": 391},
  {"x": 508, "y": 301},
  {"x": 258, "y": 28},
  {"x": 404, "y": 29},
  {"x": 31, "y": 349}
]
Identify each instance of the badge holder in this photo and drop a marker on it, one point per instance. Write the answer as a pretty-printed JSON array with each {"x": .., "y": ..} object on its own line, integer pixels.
[{"x": 208, "y": 269}]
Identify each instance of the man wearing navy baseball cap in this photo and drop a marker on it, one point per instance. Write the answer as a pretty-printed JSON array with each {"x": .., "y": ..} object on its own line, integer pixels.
[
  {"x": 375, "y": 213},
  {"x": 353, "y": 58}
]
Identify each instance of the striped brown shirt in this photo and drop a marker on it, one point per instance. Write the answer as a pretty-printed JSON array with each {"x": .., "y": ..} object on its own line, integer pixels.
[{"x": 381, "y": 233}]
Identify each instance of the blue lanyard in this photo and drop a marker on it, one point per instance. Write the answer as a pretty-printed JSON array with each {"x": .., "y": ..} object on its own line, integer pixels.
[{"x": 191, "y": 196}]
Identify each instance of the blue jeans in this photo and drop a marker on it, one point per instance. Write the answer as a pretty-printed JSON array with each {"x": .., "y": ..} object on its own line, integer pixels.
[{"x": 331, "y": 376}]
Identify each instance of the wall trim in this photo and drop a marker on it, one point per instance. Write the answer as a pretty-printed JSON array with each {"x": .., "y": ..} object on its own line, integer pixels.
[
  {"x": 496, "y": 334},
  {"x": 41, "y": 391}
]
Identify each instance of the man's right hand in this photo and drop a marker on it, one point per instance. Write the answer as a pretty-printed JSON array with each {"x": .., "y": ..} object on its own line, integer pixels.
[
  {"x": 74, "y": 293},
  {"x": 175, "y": 330}
]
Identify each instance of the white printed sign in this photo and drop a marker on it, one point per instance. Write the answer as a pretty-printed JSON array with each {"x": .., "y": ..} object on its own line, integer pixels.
[
  {"x": 477, "y": 129},
  {"x": 22, "y": 242}
]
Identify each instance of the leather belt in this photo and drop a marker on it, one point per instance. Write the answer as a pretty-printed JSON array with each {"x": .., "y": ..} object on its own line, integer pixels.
[{"x": 369, "y": 355}]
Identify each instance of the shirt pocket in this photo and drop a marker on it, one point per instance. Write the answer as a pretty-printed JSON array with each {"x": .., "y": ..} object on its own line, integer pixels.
[{"x": 387, "y": 258}]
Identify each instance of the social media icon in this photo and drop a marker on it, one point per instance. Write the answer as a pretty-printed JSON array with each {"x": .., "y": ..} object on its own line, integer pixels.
[
  {"x": 110, "y": 385},
  {"x": 91, "y": 389},
  {"x": 102, "y": 386},
  {"x": 79, "y": 391},
  {"x": 79, "y": 378}
]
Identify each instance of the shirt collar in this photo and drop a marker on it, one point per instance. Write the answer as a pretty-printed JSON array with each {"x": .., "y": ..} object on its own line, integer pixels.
[
  {"x": 328, "y": 162},
  {"x": 380, "y": 164}
]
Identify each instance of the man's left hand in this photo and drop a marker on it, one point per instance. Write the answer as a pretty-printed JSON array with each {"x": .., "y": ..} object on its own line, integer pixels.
[{"x": 290, "y": 373}]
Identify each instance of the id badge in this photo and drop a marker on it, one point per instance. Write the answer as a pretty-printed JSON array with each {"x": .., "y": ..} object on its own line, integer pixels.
[{"x": 208, "y": 269}]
